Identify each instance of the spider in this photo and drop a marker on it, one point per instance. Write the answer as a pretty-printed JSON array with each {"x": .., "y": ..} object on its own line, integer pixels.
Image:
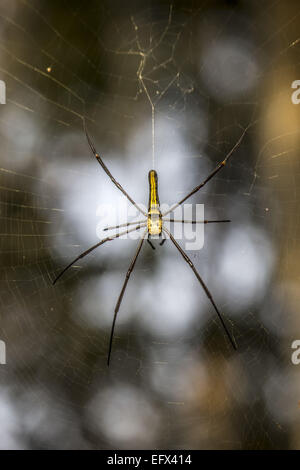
[{"x": 153, "y": 224}]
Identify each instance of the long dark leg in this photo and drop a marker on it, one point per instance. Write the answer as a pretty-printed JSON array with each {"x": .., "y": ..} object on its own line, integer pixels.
[
  {"x": 107, "y": 239},
  {"x": 130, "y": 269},
  {"x": 150, "y": 243},
  {"x": 212, "y": 174},
  {"x": 187, "y": 259},
  {"x": 101, "y": 162},
  {"x": 124, "y": 225},
  {"x": 161, "y": 235},
  {"x": 181, "y": 221}
]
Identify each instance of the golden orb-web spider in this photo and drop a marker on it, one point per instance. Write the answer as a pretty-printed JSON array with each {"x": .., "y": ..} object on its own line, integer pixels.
[{"x": 154, "y": 225}]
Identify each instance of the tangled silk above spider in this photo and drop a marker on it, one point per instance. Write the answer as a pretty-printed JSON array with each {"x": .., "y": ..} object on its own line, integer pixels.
[{"x": 153, "y": 224}]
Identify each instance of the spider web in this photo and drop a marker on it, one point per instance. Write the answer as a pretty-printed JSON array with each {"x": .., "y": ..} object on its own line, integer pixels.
[{"x": 170, "y": 86}]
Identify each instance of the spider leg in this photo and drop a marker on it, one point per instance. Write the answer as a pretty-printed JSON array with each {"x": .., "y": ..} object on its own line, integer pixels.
[
  {"x": 107, "y": 239},
  {"x": 125, "y": 225},
  {"x": 188, "y": 260},
  {"x": 130, "y": 269},
  {"x": 212, "y": 174},
  {"x": 101, "y": 162},
  {"x": 150, "y": 243},
  {"x": 163, "y": 238},
  {"x": 196, "y": 221}
]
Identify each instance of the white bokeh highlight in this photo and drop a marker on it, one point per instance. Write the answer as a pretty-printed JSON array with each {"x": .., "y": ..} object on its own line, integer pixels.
[
  {"x": 244, "y": 267},
  {"x": 228, "y": 67},
  {"x": 125, "y": 415}
]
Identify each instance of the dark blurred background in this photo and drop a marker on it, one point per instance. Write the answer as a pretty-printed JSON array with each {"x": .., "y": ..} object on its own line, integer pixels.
[{"x": 209, "y": 69}]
